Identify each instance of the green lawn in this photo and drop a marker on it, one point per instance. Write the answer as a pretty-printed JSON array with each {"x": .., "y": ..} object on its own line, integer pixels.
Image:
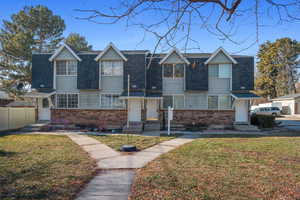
[
  {"x": 224, "y": 168},
  {"x": 42, "y": 167},
  {"x": 141, "y": 142}
]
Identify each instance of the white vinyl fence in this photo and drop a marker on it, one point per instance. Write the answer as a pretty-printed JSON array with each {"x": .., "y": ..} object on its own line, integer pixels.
[{"x": 14, "y": 118}]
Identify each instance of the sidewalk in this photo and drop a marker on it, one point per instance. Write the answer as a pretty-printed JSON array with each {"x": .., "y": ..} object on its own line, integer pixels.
[{"x": 118, "y": 170}]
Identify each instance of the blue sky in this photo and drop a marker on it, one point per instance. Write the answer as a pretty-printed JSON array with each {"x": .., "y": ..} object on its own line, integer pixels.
[{"x": 129, "y": 38}]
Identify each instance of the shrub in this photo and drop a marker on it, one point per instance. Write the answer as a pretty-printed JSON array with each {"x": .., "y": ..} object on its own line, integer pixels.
[{"x": 263, "y": 121}]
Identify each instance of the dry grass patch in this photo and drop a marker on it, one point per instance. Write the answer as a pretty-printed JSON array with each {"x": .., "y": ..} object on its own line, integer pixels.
[
  {"x": 141, "y": 142},
  {"x": 229, "y": 169},
  {"x": 42, "y": 167}
]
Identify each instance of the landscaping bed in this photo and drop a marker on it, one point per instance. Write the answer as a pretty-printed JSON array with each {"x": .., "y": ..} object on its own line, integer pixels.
[
  {"x": 141, "y": 142},
  {"x": 224, "y": 168},
  {"x": 42, "y": 167}
]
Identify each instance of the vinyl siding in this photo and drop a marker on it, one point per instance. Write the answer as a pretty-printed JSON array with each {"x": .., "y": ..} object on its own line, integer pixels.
[
  {"x": 89, "y": 99},
  {"x": 66, "y": 84},
  {"x": 65, "y": 55},
  {"x": 174, "y": 58},
  {"x": 173, "y": 86},
  {"x": 196, "y": 100},
  {"x": 220, "y": 58},
  {"x": 111, "y": 55},
  {"x": 112, "y": 84},
  {"x": 218, "y": 85}
]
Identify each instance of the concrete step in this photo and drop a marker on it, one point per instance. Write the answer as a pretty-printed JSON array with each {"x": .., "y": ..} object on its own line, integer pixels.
[
  {"x": 246, "y": 127},
  {"x": 134, "y": 127},
  {"x": 35, "y": 127},
  {"x": 152, "y": 125}
]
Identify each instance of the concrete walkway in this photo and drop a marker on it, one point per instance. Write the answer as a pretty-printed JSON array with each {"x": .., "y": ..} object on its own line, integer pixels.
[
  {"x": 140, "y": 159},
  {"x": 115, "y": 179}
]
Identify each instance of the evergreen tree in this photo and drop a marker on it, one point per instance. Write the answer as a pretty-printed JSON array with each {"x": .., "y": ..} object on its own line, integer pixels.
[
  {"x": 276, "y": 66},
  {"x": 33, "y": 29},
  {"x": 78, "y": 42}
]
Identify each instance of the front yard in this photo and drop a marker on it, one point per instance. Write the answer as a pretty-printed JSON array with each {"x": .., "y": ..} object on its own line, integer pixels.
[
  {"x": 42, "y": 167},
  {"x": 227, "y": 168},
  {"x": 141, "y": 142}
]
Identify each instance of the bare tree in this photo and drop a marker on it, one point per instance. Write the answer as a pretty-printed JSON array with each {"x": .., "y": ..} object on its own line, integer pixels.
[{"x": 173, "y": 20}]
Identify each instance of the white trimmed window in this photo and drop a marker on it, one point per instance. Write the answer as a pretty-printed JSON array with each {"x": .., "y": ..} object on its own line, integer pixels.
[
  {"x": 112, "y": 68},
  {"x": 219, "y": 102},
  {"x": 220, "y": 70},
  {"x": 66, "y": 67},
  {"x": 173, "y": 70},
  {"x": 67, "y": 100},
  {"x": 213, "y": 102},
  {"x": 174, "y": 101},
  {"x": 111, "y": 101}
]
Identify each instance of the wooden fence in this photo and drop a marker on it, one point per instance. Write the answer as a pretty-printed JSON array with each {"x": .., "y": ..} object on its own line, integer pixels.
[{"x": 14, "y": 118}]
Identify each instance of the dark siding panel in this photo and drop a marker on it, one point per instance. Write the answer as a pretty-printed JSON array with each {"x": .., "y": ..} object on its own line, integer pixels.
[
  {"x": 88, "y": 72},
  {"x": 243, "y": 74},
  {"x": 197, "y": 75},
  {"x": 135, "y": 67},
  {"x": 154, "y": 75},
  {"x": 42, "y": 71}
]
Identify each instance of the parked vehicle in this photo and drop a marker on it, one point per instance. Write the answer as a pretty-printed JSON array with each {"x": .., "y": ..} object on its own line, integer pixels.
[{"x": 274, "y": 111}]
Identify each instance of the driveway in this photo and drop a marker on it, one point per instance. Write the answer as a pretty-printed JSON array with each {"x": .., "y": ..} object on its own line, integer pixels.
[{"x": 291, "y": 123}]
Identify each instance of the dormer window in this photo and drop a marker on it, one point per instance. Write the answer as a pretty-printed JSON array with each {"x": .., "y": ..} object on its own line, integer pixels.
[
  {"x": 220, "y": 70},
  {"x": 66, "y": 67},
  {"x": 112, "y": 68},
  {"x": 173, "y": 70}
]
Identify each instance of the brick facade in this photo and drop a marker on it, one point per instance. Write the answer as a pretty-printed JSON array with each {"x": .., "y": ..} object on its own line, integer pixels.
[
  {"x": 118, "y": 118},
  {"x": 97, "y": 118},
  {"x": 205, "y": 117}
]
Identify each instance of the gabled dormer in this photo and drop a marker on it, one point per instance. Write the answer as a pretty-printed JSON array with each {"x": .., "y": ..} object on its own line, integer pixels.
[
  {"x": 220, "y": 71},
  {"x": 111, "y": 67},
  {"x": 65, "y": 64},
  {"x": 220, "y": 56},
  {"x": 173, "y": 78}
]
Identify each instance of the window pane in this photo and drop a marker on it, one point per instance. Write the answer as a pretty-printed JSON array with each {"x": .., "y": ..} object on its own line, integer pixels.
[
  {"x": 179, "y": 101},
  {"x": 212, "y": 102},
  {"x": 168, "y": 71},
  {"x": 45, "y": 103},
  {"x": 61, "y": 67},
  {"x": 213, "y": 70},
  {"x": 224, "y": 70},
  {"x": 117, "y": 102},
  {"x": 105, "y": 101},
  {"x": 117, "y": 69},
  {"x": 72, "y": 67},
  {"x": 167, "y": 101},
  {"x": 225, "y": 102},
  {"x": 72, "y": 100},
  {"x": 179, "y": 71},
  {"x": 107, "y": 68},
  {"x": 61, "y": 100}
]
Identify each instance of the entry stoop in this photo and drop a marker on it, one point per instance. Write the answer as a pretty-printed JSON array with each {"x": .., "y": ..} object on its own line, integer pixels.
[
  {"x": 134, "y": 128},
  {"x": 38, "y": 126},
  {"x": 152, "y": 125},
  {"x": 246, "y": 128}
]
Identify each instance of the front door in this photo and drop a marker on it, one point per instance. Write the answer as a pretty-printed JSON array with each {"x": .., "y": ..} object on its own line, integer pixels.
[
  {"x": 44, "y": 109},
  {"x": 241, "y": 111},
  {"x": 152, "y": 109},
  {"x": 134, "y": 110}
]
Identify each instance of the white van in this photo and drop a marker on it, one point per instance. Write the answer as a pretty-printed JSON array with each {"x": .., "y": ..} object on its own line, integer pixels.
[{"x": 274, "y": 111}]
